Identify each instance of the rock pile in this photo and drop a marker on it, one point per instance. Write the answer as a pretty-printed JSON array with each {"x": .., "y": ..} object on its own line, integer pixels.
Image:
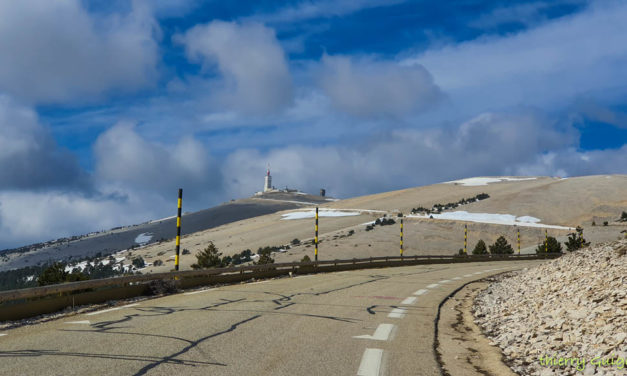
[{"x": 564, "y": 317}]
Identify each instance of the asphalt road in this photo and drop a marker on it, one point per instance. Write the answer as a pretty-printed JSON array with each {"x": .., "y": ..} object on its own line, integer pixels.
[{"x": 368, "y": 322}]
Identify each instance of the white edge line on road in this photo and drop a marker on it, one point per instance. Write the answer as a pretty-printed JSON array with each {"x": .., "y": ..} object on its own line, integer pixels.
[
  {"x": 198, "y": 292},
  {"x": 477, "y": 272},
  {"x": 445, "y": 281},
  {"x": 397, "y": 313},
  {"x": 78, "y": 322},
  {"x": 457, "y": 278},
  {"x": 2, "y": 334},
  {"x": 420, "y": 292},
  {"x": 382, "y": 333},
  {"x": 467, "y": 275},
  {"x": 112, "y": 309},
  {"x": 433, "y": 285},
  {"x": 409, "y": 300},
  {"x": 370, "y": 363}
]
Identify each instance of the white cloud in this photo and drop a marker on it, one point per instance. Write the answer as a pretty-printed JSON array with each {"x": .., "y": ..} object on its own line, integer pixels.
[
  {"x": 54, "y": 51},
  {"x": 367, "y": 87},
  {"x": 323, "y": 8},
  {"x": 254, "y": 70},
  {"x": 29, "y": 156},
  {"x": 126, "y": 162},
  {"x": 547, "y": 66},
  {"x": 29, "y": 217},
  {"x": 490, "y": 144}
]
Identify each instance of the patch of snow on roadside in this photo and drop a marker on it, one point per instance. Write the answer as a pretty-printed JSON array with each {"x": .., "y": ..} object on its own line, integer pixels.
[
  {"x": 321, "y": 213},
  {"x": 473, "y": 182},
  {"x": 497, "y": 219}
]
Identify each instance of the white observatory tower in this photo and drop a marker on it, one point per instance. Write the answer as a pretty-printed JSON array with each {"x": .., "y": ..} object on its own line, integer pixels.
[{"x": 267, "y": 186}]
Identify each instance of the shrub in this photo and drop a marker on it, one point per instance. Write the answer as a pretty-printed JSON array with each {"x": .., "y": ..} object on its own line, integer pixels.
[
  {"x": 186, "y": 251},
  {"x": 161, "y": 287},
  {"x": 56, "y": 273},
  {"x": 208, "y": 258},
  {"x": 594, "y": 223},
  {"x": 574, "y": 242},
  {"x": 295, "y": 241},
  {"x": 623, "y": 217},
  {"x": 305, "y": 259},
  {"x": 351, "y": 232},
  {"x": 501, "y": 247},
  {"x": 264, "y": 256},
  {"x": 480, "y": 248},
  {"x": 138, "y": 262},
  {"x": 552, "y": 246},
  {"x": 157, "y": 263},
  {"x": 605, "y": 223},
  {"x": 461, "y": 252}
]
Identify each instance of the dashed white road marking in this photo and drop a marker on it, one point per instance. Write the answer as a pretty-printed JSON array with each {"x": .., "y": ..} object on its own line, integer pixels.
[
  {"x": 78, "y": 322},
  {"x": 2, "y": 334},
  {"x": 198, "y": 292},
  {"x": 420, "y": 292},
  {"x": 467, "y": 275},
  {"x": 433, "y": 285},
  {"x": 409, "y": 300},
  {"x": 370, "y": 363},
  {"x": 112, "y": 309},
  {"x": 397, "y": 313},
  {"x": 382, "y": 333},
  {"x": 477, "y": 272},
  {"x": 456, "y": 278},
  {"x": 445, "y": 281}
]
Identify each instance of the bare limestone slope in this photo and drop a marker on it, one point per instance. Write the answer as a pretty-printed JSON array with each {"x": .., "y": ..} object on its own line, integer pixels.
[{"x": 564, "y": 317}]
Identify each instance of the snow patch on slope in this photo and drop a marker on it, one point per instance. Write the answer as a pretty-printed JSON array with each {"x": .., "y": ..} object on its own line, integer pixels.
[{"x": 473, "y": 182}]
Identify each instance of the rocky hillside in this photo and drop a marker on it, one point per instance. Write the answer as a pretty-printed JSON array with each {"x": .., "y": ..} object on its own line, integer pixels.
[{"x": 565, "y": 317}]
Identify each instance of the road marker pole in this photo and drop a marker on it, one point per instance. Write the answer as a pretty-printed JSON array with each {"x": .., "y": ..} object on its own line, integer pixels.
[
  {"x": 401, "y": 237},
  {"x": 178, "y": 230},
  {"x": 465, "y": 239},
  {"x": 316, "y": 238},
  {"x": 518, "y": 241},
  {"x": 546, "y": 241}
]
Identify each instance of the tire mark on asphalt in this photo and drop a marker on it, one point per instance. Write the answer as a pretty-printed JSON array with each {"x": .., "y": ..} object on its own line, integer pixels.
[{"x": 193, "y": 344}]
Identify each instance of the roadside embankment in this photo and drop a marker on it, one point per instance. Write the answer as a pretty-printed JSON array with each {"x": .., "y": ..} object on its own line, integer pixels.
[{"x": 565, "y": 317}]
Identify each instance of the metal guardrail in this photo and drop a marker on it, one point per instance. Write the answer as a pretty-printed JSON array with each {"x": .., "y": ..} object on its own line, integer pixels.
[{"x": 96, "y": 291}]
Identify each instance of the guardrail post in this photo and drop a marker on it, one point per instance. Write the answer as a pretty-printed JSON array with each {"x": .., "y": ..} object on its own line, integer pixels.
[{"x": 178, "y": 230}]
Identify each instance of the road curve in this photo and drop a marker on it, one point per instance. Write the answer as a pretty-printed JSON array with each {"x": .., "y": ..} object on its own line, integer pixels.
[{"x": 366, "y": 322}]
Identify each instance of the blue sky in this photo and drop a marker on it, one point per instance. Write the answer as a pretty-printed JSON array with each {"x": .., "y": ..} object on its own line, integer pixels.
[{"x": 107, "y": 107}]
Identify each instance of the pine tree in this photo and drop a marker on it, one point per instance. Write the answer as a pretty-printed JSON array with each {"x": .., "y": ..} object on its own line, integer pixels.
[
  {"x": 551, "y": 246},
  {"x": 264, "y": 256},
  {"x": 208, "y": 258},
  {"x": 501, "y": 247},
  {"x": 480, "y": 248}
]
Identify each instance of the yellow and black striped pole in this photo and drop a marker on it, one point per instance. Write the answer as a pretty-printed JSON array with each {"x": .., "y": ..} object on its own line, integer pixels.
[
  {"x": 178, "y": 230},
  {"x": 465, "y": 239},
  {"x": 316, "y": 238},
  {"x": 546, "y": 241},
  {"x": 518, "y": 241},
  {"x": 401, "y": 236}
]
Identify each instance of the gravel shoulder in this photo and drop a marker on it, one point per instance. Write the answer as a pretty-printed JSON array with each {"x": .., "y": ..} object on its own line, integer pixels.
[
  {"x": 462, "y": 348},
  {"x": 565, "y": 317}
]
